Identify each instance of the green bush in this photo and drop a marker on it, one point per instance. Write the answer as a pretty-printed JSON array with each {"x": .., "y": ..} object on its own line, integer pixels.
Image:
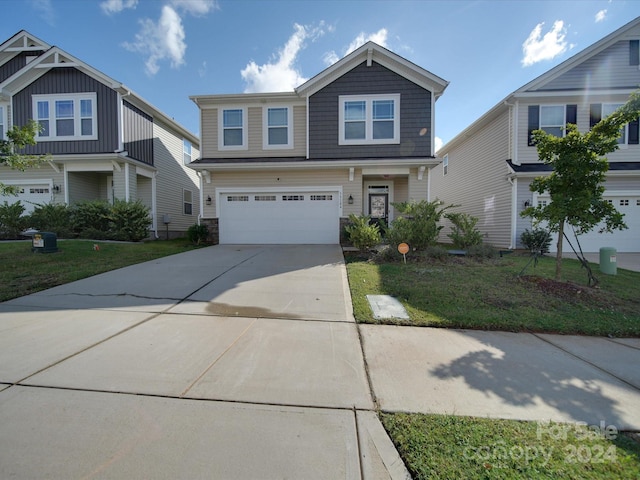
[
  {"x": 464, "y": 233},
  {"x": 197, "y": 234},
  {"x": 129, "y": 221},
  {"x": 52, "y": 217},
  {"x": 362, "y": 233},
  {"x": 11, "y": 220},
  {"x": 420, "y": 225},
  {"x": 536, "y": 240},
  {"x": 90, "y": 219}
]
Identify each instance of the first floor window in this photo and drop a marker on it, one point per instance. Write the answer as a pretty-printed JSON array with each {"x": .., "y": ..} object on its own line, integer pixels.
[
  {"x": 66, "y": 116},
  {"x": 369, "y": 119},
  {"x": 187, "y": 200}
]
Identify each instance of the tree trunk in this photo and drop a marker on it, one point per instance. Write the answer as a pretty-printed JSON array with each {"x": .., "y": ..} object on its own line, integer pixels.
[{"x": 559, "y": 251}]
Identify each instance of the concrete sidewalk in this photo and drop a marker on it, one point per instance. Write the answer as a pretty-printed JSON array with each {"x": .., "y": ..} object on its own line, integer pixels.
[{"x": 224, "y": 362}]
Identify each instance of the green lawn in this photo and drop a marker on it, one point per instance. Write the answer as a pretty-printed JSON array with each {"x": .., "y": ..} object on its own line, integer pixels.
[
  {"x": 491, "y": 295},
  {"x": 449, "y": 447},
  {"x": 23, "y": 272}
]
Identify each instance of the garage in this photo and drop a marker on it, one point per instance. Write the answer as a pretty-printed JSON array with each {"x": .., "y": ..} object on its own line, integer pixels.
[
  {"x": 282, "y": 217},
  {"x": 622, "y": 240},
  {"x": 31, "y": 195}
]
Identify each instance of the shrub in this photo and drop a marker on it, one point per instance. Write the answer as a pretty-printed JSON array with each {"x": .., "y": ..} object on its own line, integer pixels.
[
  {"x": 197, "y": 234},
  {"x": 52, "y": 217},
  {"x": 536, "y": 240},
  {"x": 419, "y": 228},
  {"x": 11, "y": 220},
  {"x": 90, "y": 219},
  {"x": 362, "y": 233},
  {"x": 464, "y": 233},
  {"x": 129, "y": 221}
]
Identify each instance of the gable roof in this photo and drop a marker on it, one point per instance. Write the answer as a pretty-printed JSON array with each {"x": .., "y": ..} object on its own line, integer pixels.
[
  {"x": 369, "y": 52},
  {"x": 54, "y": 57},
  {"x": 543, "y": 79}
]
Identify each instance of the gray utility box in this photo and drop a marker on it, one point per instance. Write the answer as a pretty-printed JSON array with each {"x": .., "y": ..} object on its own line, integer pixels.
[
  {"x": 44, "y": 242},
  {"x": 608, "y": 261}
]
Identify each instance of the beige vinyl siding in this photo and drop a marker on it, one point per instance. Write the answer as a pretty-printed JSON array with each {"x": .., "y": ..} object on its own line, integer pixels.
[
  {"x": 527, "y": 154},
  {"x": 209, "y": 122},
  {"x": 477, "y": 181},
  {"x": 83, "y": 186},
  {"x": 118, "y": 183},
  {"x": 274, "y": 179},
  {"x": 172, "y": 177},
  {"x": 417, "y": 189},
  {"x": 43, "y": 174}
]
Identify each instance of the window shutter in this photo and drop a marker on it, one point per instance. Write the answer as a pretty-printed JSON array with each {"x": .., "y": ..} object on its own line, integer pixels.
[
  {"x": 595, "y": 114},
  {"x": 634, "y": 128},
  {"x": 634, "y": 52},
  {"x": 572, "y": 114},
  {"x": 534, "y": 122}
]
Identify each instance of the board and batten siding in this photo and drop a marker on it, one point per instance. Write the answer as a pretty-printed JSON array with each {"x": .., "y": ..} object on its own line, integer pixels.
[
  {"x": 69, "y": 80},
  {"x": 610, "y": 69},
  {"x": 415, "y": 115},
  {"x": 274, "y": 179},
  {"x": 529, "y": 154},
  {"x": 138, "y": 133},
  {"x": 477, "y": 181},
  {"x": 172, "y": 177},
  {"x": 209, "y": 122}
]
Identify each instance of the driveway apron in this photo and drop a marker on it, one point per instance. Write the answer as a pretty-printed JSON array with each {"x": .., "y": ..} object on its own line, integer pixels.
[{"x": 223, "y": 362}]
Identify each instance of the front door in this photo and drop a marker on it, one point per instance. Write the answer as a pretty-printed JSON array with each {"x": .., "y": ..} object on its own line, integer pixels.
[{"x": 379, "y": 206}]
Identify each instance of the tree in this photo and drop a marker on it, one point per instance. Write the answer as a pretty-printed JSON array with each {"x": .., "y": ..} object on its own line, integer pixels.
[
  {"x": 18, "y": 139},
  {"x": 576, "y": 183}
]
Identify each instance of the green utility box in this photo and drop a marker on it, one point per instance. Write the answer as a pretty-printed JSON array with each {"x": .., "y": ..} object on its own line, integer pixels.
[
  {"x": 608, "y": 260},
  {"x": 44, "y": 242}
]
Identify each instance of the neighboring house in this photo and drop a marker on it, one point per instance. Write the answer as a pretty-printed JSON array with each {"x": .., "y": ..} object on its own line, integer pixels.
[
  {"x": 104, "y": 141},
  {"x": 290, "y": 167},
  {"x": 488, "y": 167}
]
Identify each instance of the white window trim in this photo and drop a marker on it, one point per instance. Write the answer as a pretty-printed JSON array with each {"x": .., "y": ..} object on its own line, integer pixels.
[
  {"x": 77, "y": 118},
  {"x": 445, "y": 164},
  {"x": 186, "y": 142},
  {"x": 368, "y": 140},
  {"x": 563, "y": 127},
  {"x": 221, "y": 145},
  {"x": 265, "y": 128},
  {"x": 184, "y": 201}
]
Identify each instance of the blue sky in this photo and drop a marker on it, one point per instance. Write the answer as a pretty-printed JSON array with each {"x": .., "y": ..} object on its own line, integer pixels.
[{"x": 166, "y": 50}]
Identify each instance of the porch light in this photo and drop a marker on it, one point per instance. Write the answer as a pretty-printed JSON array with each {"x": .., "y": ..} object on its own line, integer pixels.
[
  {"x": 527, "y": 204},
  {"x": 208, "y": 201},
  {"x": 350, "y": 200},
  {"x": 56, "y": 188}
]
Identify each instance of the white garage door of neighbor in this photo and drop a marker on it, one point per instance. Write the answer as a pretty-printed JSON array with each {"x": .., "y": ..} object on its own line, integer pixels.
[
  {"x": 622, "y": 240},
  {"x": 279, "y": 218},
  {"x": 31, "y": 195}
]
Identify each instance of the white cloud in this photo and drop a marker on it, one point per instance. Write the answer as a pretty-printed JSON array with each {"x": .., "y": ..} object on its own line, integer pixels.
[
  {"x": 379, "y": 37},
  {"x": 196, "y": 8},
  {"x": 537, "y": 47},
  {"x": 438, "y": 143},
  {"x": 116, "y": 6},
  {"x": 601, "y": 15},
  {"x": 46, "y": 10},
  {"x": 163, "y": 40},
  {"x": 281, "y": 74}
]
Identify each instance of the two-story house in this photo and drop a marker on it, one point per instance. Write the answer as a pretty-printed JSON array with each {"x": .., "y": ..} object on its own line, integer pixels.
[
  {"x": 290, "y": 167},
  {"x": 104, "y": 141},
  {"x": 488, "y": 167}
]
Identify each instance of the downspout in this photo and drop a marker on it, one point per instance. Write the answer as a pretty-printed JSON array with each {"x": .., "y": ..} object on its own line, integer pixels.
[
  {"x": 514, "y": 210},
  {"x": 154, "y": 207},
  {"x": 201, "y": 213}
]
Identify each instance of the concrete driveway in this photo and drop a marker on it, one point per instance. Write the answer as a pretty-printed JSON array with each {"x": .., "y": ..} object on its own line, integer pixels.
[{"x": 225, "y": 362}]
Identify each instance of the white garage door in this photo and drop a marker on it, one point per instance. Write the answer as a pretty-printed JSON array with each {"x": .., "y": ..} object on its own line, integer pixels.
[
  {"x": 622, "y": 240},
  {"x": 279, "y": 218},
  {"x": 31, "y": 195}
]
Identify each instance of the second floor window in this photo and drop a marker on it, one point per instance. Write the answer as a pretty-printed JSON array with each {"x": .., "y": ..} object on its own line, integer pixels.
[
  {"x": 277, "y": 128},
  {"x": 2, "y": 129},
  {"x": 608, "y": 109},
  {"x": 66, "y": 116},
  {"x": 186, "y": 152},
  {"x": 369, "y": 119},
  {"x": 233, "y": 129},
  {"x": 552, "y": 119}
]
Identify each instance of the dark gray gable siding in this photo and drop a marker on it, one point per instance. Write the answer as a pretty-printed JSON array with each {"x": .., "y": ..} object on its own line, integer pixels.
[
  {"x": 415, "y": 115},
  {"x": 16, "y": 63},
  {"x": 70, "y": 80},
  {"x": 138, "y": 133}
]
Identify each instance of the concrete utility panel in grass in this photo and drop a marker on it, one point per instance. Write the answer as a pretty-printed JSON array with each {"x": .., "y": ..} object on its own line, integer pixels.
[{"x": 385, "y": 306}]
